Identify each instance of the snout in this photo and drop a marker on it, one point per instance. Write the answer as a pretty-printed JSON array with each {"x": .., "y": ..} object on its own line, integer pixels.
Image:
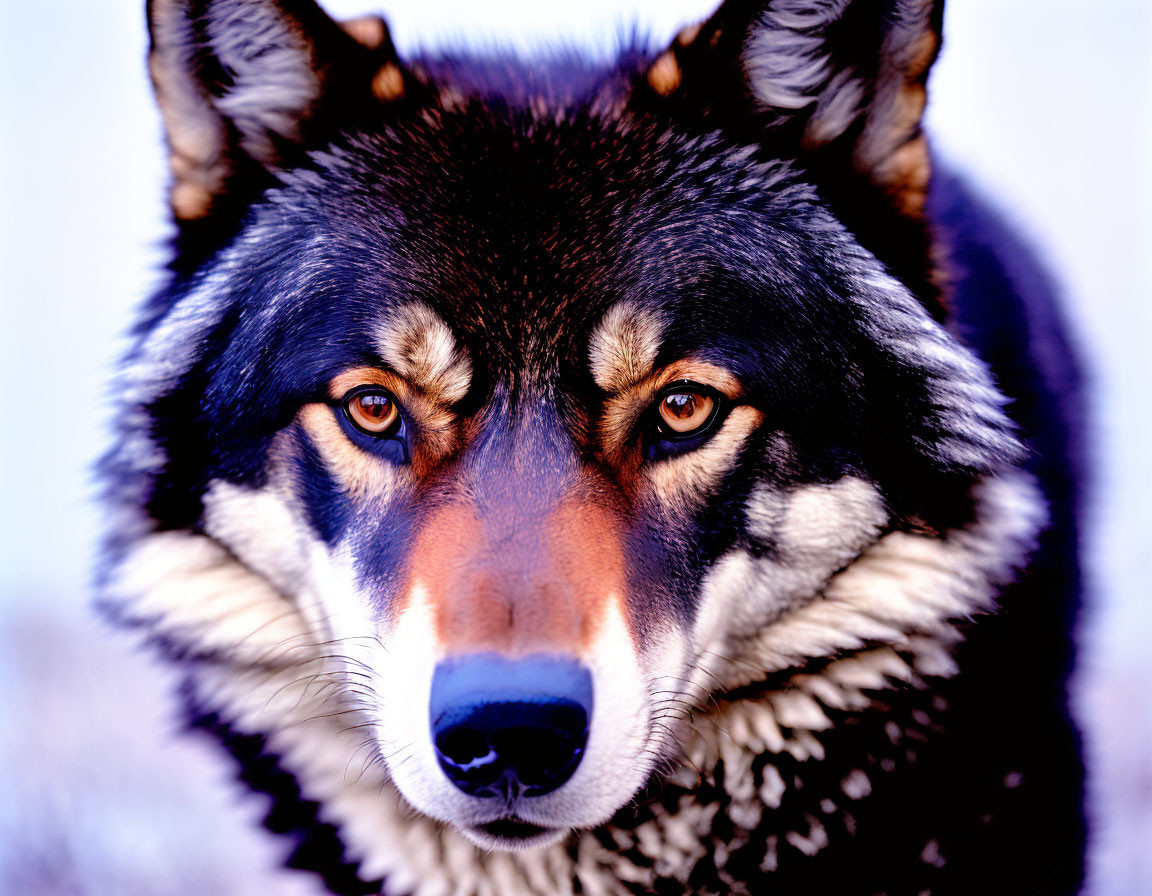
[
  {"x": 515, "y": 748},
  {"x": 510, "y": 728}
]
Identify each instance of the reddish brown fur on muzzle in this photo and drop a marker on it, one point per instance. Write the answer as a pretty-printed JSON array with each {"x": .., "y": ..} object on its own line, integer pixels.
[{"x": 524, "y": 580}]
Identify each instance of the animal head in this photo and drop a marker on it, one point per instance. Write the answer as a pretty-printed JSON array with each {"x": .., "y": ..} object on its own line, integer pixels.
[{"x": 538, "y": 408}]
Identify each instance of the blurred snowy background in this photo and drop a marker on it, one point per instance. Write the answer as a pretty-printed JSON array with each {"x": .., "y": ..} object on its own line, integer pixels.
[{"x": 1047, "y": 104}]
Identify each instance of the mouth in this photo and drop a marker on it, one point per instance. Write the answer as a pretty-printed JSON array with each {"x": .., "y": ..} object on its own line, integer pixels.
[{"x": 512, "y": 833}]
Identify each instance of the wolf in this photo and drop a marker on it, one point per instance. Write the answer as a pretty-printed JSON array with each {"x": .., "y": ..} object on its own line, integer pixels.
[{"x": 646, "y": 478}]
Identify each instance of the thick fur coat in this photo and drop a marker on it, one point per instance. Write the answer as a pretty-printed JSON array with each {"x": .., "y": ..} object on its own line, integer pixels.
[{"x": 691, "y": 375}]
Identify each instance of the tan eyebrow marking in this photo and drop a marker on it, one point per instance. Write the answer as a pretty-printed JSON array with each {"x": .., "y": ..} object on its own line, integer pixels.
[
  {"x": 624, "y": 346},
  {"x": 416, "y": 343}
]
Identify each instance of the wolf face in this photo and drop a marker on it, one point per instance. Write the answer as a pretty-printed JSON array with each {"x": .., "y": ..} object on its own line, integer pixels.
[{"x": 515, "y": 425}]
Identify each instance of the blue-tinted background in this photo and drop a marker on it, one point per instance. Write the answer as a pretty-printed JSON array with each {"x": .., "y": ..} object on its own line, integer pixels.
[{"x": 1046, "y": 103}]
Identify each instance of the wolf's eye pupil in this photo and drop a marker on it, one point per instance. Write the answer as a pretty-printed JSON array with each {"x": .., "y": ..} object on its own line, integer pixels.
[
  {"x": 372, "y": 411},
  {"x": 686, "y": 412},
  {"x": 681, "y": 406},
  {"x": 375, "y": 406}
]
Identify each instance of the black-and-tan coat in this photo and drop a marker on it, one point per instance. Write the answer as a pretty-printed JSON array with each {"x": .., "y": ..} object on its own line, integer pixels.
[{"x": 690, "y": 372}]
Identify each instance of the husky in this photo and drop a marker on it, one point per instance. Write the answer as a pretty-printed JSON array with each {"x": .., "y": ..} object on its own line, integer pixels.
[{"x": 643, "y": 479}]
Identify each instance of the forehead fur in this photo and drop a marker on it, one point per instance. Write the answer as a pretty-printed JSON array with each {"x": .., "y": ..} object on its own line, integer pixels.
[{"x": 499, "y": 225}]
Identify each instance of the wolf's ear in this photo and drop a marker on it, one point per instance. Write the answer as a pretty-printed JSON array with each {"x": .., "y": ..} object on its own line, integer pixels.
[
  {"x": 836, "y": 84},
  {"x": 239, "y": 83}
]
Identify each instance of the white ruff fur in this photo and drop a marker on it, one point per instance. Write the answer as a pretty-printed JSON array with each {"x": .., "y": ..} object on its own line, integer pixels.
[{"x": 272, "y": 669}]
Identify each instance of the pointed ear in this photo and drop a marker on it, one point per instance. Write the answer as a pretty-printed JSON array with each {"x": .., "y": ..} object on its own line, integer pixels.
[
  {"x": 833, "y": 83},
  {"x": 240, "y": 85}
]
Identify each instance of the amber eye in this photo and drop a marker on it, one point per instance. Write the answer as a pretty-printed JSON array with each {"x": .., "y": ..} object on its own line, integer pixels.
[
  {"x": 372, "y": 410},
  {"x": 684, "y": 413}
]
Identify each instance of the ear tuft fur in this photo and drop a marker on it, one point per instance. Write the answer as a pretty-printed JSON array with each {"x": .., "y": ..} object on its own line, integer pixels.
[
  {"x": 839, "y": 77},
  {"x": 239, "y": 82}
]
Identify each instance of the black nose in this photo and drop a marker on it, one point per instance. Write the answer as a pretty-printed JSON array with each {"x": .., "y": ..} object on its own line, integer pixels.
[{"x": 504, "y": 727}]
